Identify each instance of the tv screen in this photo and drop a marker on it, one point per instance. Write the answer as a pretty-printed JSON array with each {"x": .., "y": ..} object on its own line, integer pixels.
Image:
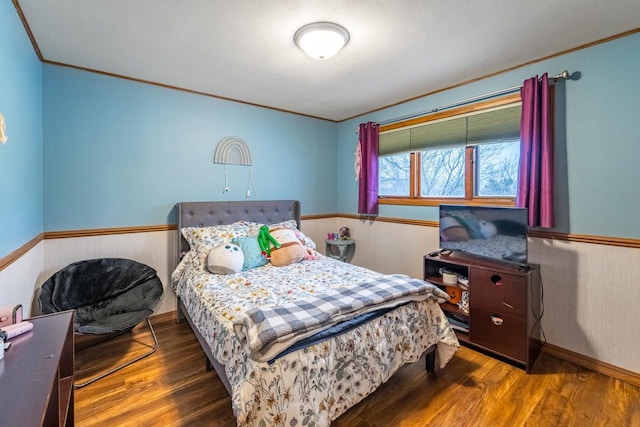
[{"x": 494, "y": 233}]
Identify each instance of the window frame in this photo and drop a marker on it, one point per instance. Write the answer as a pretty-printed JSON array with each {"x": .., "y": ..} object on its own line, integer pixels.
[{"x": 414, "y": 198}]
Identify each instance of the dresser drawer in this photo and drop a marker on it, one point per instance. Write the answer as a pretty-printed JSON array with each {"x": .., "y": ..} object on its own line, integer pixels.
[
  {"x": 502, "y": 334},
  {"x": 499, "y": 292}
]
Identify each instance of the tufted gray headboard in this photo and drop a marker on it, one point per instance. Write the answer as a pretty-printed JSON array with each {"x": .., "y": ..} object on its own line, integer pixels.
[{"x": 203, "y": 214}]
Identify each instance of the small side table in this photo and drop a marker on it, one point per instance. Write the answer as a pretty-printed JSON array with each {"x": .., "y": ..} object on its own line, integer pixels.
[{"x": 342, "y": 246}]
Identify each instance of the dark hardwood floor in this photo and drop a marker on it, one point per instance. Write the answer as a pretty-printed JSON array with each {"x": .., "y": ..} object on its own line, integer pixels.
[{"x": 172, "y": 388}]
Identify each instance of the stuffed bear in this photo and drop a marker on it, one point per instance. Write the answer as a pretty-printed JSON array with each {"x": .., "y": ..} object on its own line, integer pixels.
[
  {"x": 226, "y": 258},
  {"x": 291, "y": 249},
  {"x": 344, "y": 233}
]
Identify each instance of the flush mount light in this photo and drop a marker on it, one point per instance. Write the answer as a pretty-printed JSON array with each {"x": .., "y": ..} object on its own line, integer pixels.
[{"x": 321, "y": 40}]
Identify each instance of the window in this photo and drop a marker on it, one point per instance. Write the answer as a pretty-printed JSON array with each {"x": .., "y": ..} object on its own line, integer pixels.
[
  {"x": 442, "y": 172},
  {"x": 497, "y": 169},
  {"x": 468, "y": 155},
  {"x": 394, "y": 173}
]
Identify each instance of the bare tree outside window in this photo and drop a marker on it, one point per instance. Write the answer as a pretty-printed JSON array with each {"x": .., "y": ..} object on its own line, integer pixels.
[
  {"x": 442, "y": 173},
  {"x": 394, "y": 175},
  {"x": 497, "y": 169}
]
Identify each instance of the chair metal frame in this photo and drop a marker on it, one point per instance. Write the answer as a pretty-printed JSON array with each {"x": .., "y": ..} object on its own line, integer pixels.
[{"x": 124, "y": 365}]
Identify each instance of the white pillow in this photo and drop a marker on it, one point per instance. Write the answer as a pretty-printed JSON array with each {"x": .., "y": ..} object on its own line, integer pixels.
[{"x": 226, "y": 258}]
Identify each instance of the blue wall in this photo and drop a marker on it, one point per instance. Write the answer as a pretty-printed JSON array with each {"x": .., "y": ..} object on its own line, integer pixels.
[
  {"x": 21, "y": 156},
  {"x": 597, "y": 139},
  {"x": 119, "y": 153}
]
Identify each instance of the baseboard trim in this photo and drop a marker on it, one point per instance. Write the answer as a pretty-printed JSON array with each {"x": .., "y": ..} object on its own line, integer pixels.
[
  {"x": 595, "y": 365},
  {"x": 164, "y": 317}
]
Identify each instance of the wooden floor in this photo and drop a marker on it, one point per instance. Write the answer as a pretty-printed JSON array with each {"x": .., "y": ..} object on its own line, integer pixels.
[{"x": 172, "y": 388}]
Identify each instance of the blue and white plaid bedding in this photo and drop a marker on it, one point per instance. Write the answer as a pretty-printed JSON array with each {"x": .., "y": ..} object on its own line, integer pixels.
[{"x": 266, "y": 331}]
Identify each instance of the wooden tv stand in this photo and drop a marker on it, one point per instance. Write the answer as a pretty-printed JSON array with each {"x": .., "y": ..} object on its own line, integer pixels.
[
  {"x": 504, "y": 306},
  {"x": 36, "y": 374}
]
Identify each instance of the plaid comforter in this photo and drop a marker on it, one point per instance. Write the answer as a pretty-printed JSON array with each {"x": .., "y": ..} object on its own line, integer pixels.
[{"x": 267, "y": 331}]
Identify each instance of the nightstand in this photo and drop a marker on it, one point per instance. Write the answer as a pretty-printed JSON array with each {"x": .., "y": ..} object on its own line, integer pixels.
[{"x": 338, "y": 249}]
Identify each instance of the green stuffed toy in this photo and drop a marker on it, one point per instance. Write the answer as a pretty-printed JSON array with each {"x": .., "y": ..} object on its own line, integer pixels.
[{"x": 265, "y": 239}]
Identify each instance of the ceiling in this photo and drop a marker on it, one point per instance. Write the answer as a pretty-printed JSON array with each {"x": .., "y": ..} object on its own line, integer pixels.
[{"x": 243, "y": 49}]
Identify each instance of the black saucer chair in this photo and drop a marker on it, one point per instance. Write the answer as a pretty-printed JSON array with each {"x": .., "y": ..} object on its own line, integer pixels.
[{"x": 110, "y": 296}]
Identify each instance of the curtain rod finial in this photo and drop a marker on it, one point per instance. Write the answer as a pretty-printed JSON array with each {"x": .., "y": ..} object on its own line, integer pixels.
[{"x": 563, "y": 75}]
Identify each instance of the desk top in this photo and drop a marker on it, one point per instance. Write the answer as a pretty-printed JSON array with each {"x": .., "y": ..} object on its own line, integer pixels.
[{"x": 30, "y": 368}]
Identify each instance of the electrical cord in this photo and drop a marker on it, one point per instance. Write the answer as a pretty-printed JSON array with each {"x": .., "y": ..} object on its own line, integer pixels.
[
  {"x": 539, "y": 318},
  {"x": 252, "y": 185}
]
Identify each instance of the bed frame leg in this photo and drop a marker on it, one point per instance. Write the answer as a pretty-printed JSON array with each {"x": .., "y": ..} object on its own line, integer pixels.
[
  {"x": 179, "y": 314},
  {"x": 431, "y": 361}
]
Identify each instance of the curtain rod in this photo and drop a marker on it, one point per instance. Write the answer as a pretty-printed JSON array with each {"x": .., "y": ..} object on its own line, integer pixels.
[{"x": 562, "y": 76}]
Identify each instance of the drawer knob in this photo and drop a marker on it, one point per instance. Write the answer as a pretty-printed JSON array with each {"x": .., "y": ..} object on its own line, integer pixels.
[
  {"x": 496, "y": 320},
  {"x": 496, "y": 280}
]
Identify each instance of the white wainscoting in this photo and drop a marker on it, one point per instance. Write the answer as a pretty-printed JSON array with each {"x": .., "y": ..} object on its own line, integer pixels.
[
  {"x": 591, "y": 291},
  {"x": 389, "y": 247},
  {"x": 591, "y": 297},
  {"x": 156, "y": 249},
  {"x": 381, "y": 246},
  {"x": 317, "y": 230},
  {"x": 19, "y": 280}
]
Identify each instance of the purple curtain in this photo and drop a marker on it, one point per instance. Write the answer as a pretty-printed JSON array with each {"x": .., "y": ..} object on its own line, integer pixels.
[
  {"x": 368, "y": 180},
  {"x": 535, "y": 173}
]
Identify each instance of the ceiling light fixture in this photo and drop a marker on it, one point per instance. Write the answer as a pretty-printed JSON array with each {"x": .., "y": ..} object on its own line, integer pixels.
[{"x": 321, "y": 40}]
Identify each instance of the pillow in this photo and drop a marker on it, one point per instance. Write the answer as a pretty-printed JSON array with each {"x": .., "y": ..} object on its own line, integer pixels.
[
  {"x": 253, "y": 256},
  {"x": 290, "y": 250},
  {"x": 203, "y": 239},
  {"x": 306, "y": 241},
  {"x": 290, "y": 223},
  {"x": 293, "y": 225},
  {"x": 226, "y": 258},
  {"x": 254, "y": 228}
]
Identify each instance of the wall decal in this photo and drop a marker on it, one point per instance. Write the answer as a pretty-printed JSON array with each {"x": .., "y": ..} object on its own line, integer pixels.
[
  {"x": 3, "y": 130},
  {"x": 232, "y": 151}
]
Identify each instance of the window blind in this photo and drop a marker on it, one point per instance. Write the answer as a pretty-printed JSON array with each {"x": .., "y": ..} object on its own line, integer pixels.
[{"x": 481, "y": 127}]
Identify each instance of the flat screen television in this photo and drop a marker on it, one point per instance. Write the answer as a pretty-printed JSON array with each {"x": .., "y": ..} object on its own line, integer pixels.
[{"x": 493, "y": 233}]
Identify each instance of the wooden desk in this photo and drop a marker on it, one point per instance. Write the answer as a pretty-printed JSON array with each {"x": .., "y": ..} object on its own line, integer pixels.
[{"x": 36, "y": 374}]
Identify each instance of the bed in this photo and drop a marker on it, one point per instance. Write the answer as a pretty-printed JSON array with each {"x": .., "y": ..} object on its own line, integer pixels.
[{"x": 322, "y": 376}]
